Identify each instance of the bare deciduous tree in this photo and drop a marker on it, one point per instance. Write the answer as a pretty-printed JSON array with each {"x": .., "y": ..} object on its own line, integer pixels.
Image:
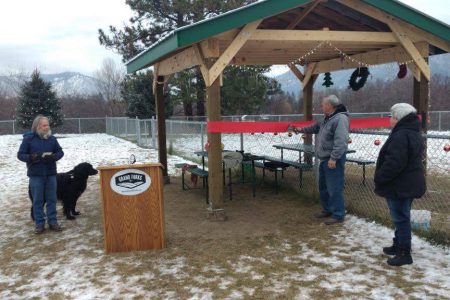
[{"x": 108, "y": 80}]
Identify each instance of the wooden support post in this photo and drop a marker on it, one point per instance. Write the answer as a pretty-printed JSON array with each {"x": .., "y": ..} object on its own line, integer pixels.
[
  {"x": 215, "y": 180},
  {"x": 424, "y": 102},
  {"x": 416, "y": 94},
  {"x": 307, "y": 111},
  {"x": 162, "y": 146}
]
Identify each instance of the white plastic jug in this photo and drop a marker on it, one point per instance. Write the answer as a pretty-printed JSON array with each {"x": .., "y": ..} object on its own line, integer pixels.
[{"x": 420, "y": 219}]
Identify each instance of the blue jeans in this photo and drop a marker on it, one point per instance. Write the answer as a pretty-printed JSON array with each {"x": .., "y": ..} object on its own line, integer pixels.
[
  {"x": 400, "y": 210},
  {"x": 43, "y": 188},
  {"x": 331, "y": 188}
]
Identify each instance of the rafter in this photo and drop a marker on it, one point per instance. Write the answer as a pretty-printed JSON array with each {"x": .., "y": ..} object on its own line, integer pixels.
[
  {"x": 232, "y": 50},
  {"x": 296, "y": 72},
  {"x": 414, "y": 32},
  {"x": 309, "y": 73},
  {"x": 304, "y": 13},
  {"x": 202, "y": 64}
]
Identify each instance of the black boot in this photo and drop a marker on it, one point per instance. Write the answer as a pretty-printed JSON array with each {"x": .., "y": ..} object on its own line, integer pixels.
[
  {"x": 392, "y": 250},
  {"x": 402, "y": 257}
]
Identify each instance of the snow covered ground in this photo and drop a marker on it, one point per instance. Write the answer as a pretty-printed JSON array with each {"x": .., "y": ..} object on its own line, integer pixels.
[{"x": 72, "y": 264}]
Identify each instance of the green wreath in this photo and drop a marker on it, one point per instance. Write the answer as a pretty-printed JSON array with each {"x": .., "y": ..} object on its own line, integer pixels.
[{"x": 358, "y": 78}]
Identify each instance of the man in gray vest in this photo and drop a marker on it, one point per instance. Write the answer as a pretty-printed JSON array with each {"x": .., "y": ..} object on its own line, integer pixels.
[{"x": 331, "y": 148}]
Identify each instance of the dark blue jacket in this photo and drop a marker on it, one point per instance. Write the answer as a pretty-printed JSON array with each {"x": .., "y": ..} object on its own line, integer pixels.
[{"x": 33, "y": 144}]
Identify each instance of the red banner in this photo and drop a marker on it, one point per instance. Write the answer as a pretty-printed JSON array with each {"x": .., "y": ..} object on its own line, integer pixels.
[{"x": 262, "y": 127}]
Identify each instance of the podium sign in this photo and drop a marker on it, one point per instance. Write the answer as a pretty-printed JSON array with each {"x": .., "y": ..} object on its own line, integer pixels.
[{"x": 133, "y": 207}]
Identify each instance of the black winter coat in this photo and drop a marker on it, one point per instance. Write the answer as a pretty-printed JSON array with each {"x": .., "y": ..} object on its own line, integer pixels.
[{"x": 400, "y": 171}]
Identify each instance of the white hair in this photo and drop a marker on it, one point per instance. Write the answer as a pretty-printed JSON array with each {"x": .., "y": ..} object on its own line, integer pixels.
[
  {"x": 332, "y": 99},
  {"x": 37, "y": 120},
  {"x": 401, "y": 110}
]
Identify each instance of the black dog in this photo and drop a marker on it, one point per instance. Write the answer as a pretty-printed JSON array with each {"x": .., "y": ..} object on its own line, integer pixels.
[{"x": 70, "y": 186}]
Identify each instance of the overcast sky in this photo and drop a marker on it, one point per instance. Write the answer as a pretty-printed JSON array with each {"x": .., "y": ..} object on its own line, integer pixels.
[{"x": 61, "y": 35}]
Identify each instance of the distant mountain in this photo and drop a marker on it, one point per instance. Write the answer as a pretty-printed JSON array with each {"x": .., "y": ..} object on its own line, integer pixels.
[
  {"x": 440, "y": 64},
  {"x": 64, "y": 84}
]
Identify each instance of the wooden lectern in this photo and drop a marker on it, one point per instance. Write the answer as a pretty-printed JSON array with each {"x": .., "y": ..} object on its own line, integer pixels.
[{"x": 133, "y": 207}]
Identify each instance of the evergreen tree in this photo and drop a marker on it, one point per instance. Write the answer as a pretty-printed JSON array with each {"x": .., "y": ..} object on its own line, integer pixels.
[
  {"x": 37, "y": 97},
  {"x": 137, "y": 93},
  {"x": 245, "y": 89}
]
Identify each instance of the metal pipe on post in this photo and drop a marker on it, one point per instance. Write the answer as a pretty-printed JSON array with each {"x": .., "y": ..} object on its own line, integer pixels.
[
  {"x": 126, "y": 127},
  {"x": 153, "y": 129},
  {"x": 202, "y": 139},
  {"x": 79, "y": 125}
]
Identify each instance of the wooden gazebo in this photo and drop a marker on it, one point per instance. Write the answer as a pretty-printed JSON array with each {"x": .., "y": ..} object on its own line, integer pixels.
[{"x": 327, "y": 35}]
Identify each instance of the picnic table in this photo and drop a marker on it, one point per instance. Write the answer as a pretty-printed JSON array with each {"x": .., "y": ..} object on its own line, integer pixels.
[
  {"x": 310, "y": 149},
  {"x": 247, "y": 159}
]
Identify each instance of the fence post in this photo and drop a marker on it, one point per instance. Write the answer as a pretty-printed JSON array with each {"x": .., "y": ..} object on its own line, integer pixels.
[
  {"x": 79, "y": 125},
  {"x": 14, "y": 127},
  {"x": 138, "y": 131},
  {"x": 153, "y": 128},
  {"x": 126, "y": 127}
]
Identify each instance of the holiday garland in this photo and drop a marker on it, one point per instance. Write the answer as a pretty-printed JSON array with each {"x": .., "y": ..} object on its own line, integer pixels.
[{"x": 359, "y": 78}]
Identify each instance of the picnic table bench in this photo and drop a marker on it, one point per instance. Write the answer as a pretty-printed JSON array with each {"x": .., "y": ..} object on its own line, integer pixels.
[
  {"x": 194, "y": 170},
  {"x": 361, "y": 162},
  {"x": 280, "y": 164}
]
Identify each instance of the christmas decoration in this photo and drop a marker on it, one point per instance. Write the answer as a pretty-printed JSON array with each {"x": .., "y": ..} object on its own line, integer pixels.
[
  {"x": 402, "y": 72},
  {"x": 361, "y": 73},
  {"x": 327, "y": 80},
  {"x": 447, "y": 147},
  {"x": 377, "y": 142}
]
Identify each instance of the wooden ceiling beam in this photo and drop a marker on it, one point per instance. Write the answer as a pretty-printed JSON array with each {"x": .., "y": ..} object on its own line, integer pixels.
[
  {"x": 359, "y": 37},
  {"x": 178, "y": 62}
]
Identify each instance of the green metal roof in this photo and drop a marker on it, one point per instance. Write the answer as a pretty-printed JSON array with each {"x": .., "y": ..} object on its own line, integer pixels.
[{"x": 188, "y": 35}]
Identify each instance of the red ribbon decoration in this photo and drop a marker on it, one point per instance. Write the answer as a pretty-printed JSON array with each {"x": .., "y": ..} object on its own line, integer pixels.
[{"x": 262, "y": 127}]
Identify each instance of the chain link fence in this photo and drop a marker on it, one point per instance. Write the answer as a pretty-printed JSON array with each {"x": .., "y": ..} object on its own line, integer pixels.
[
  {"x": 430, "y": 214},
  {"x": 70, "y": 125}
]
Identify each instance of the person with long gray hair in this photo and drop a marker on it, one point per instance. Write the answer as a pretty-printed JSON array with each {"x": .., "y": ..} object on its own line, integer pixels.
[
  {"x": 400, "y": 178},
  {"x": 40, "y": 150},
  {"x": 331, "y": 149}
]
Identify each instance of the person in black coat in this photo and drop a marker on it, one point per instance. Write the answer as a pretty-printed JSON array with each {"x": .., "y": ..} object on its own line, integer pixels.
[{"x": 400, "y": 177}]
